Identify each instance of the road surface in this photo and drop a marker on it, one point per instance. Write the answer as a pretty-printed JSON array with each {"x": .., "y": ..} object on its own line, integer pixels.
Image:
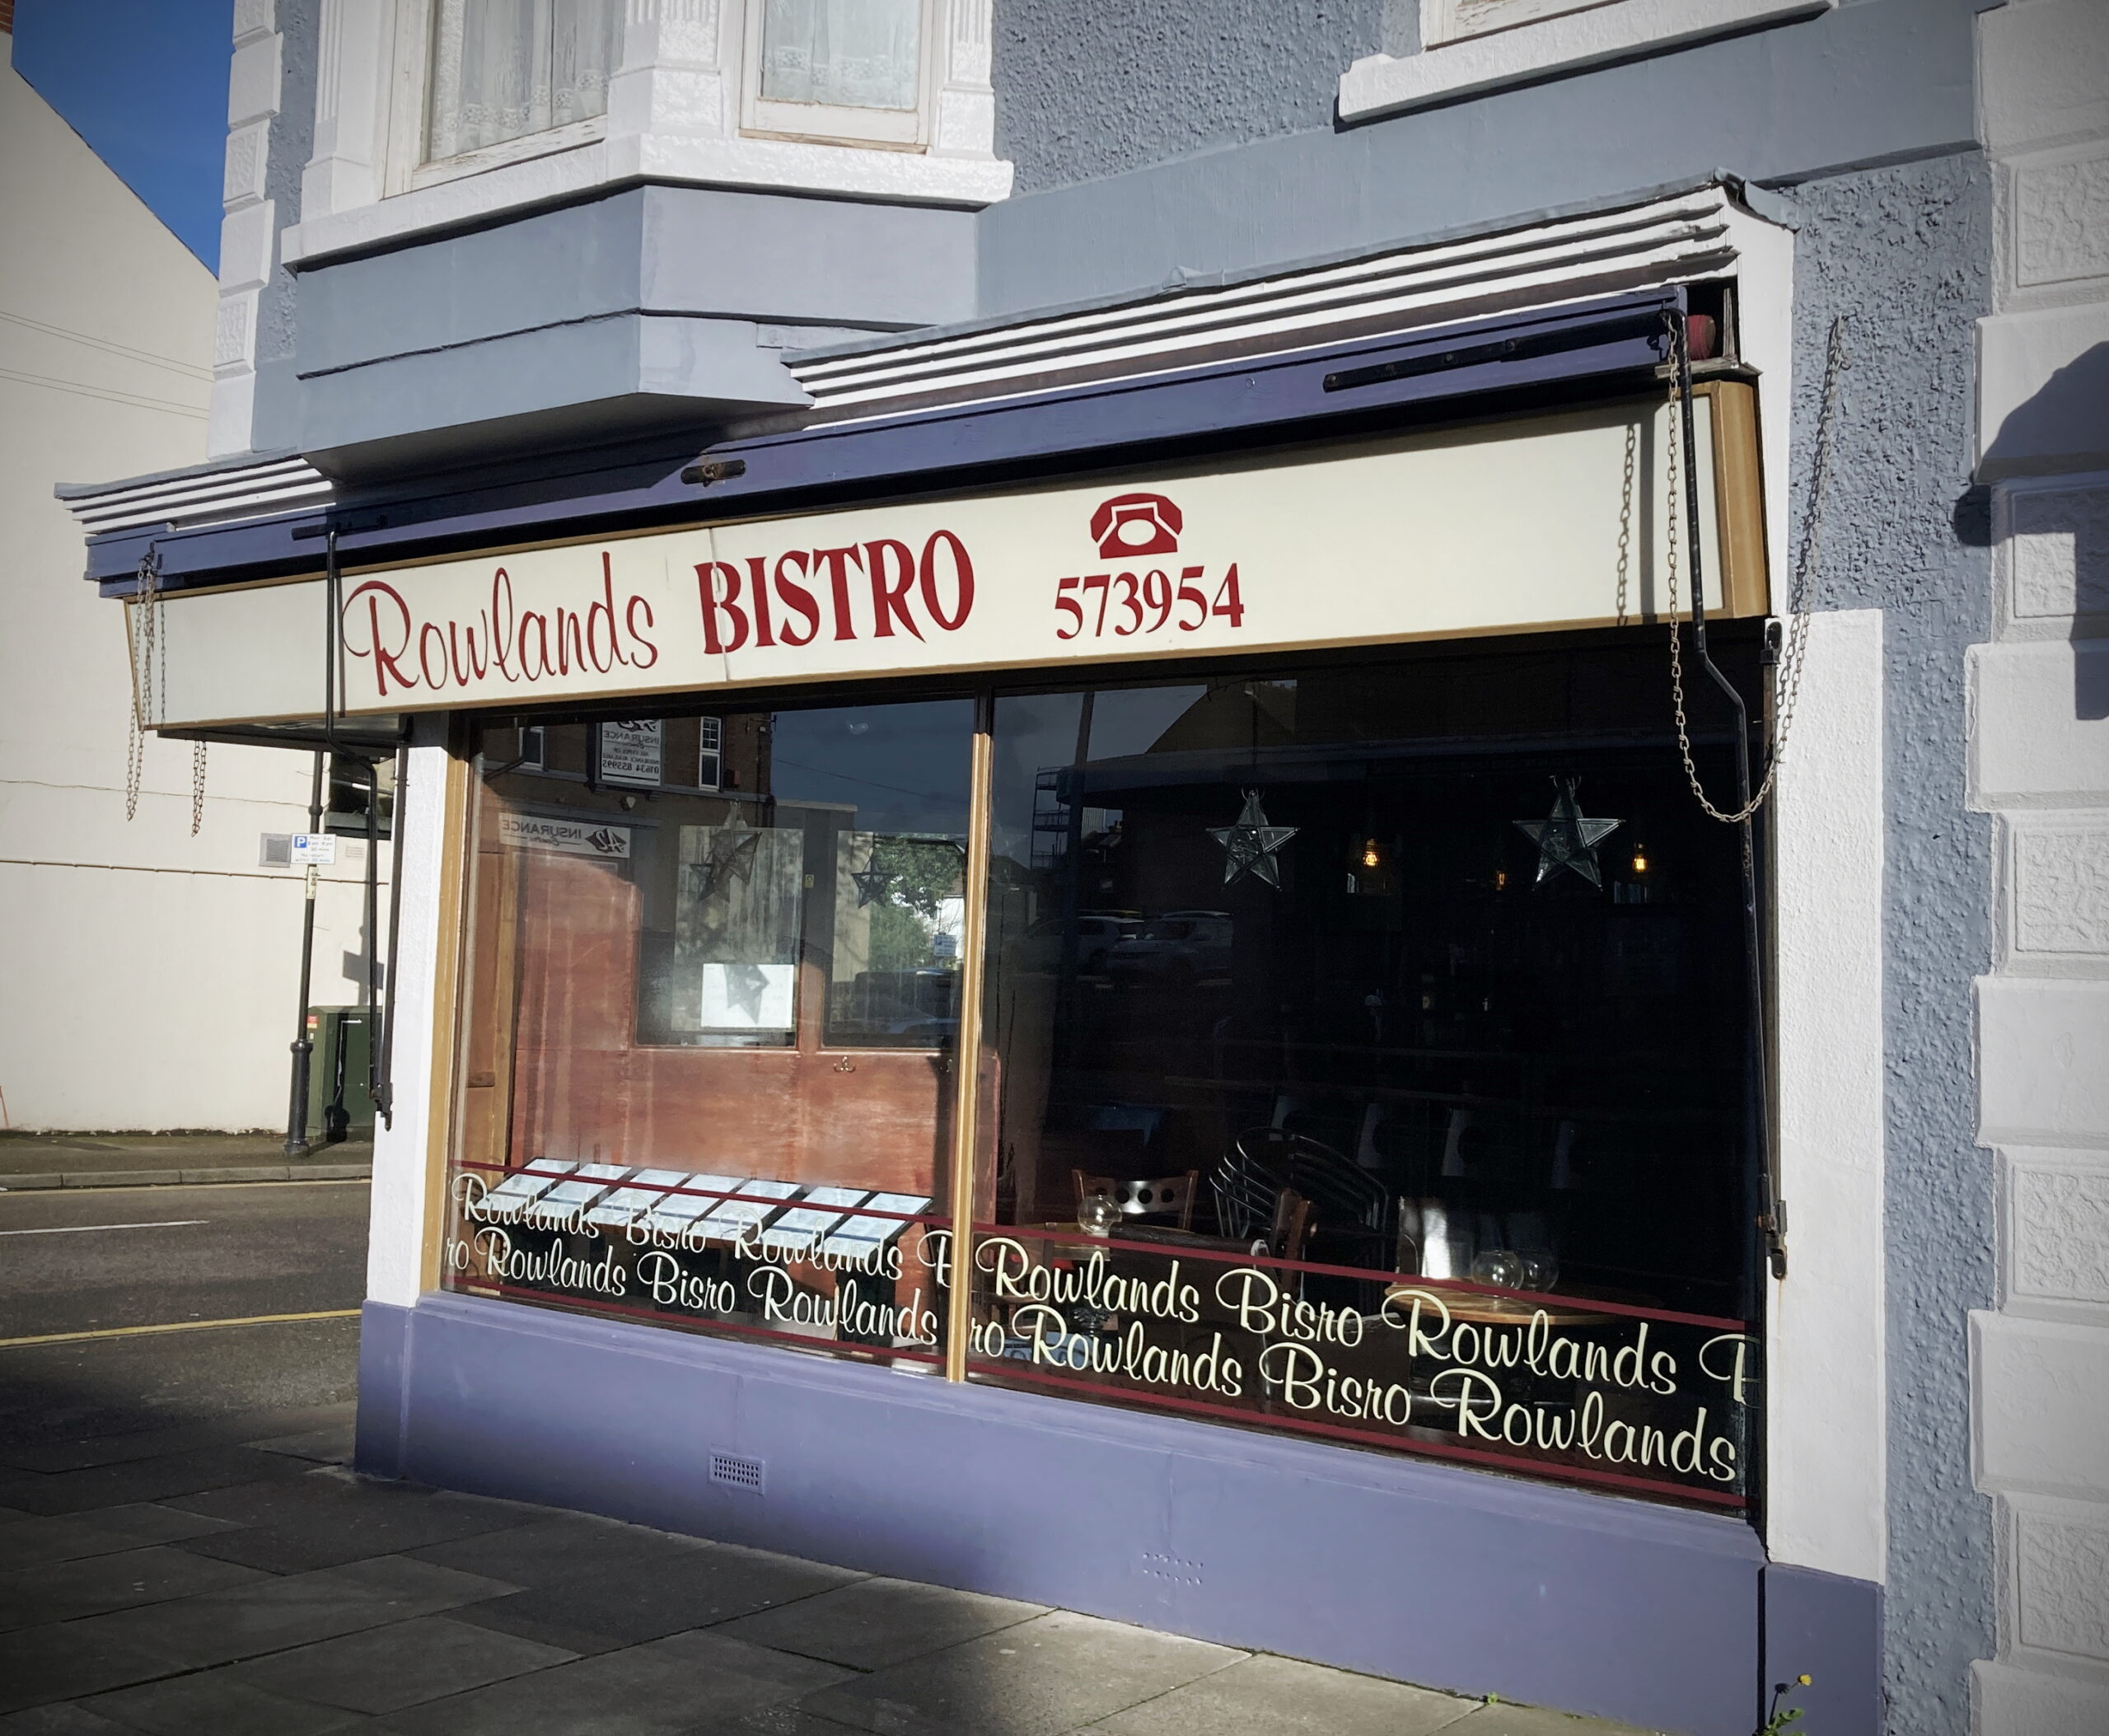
[{"x": 109, "y": 1261}]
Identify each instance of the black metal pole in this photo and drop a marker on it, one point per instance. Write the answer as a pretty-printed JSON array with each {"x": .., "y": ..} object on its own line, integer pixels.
[
  {"x": 373, "y": 932},
  {"x": 384, "y": 1036},
  {"x": 303, "y": 1045},
  {"x": 1769, "y": 1220}
]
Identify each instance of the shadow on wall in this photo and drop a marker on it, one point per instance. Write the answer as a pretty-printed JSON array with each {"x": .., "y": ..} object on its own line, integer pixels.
[{"x": 2069, "y": 414}]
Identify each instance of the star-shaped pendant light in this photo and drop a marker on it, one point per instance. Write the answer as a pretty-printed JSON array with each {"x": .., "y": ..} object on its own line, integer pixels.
[
  {"x": 732, "y": 851},
  {"x": 1249, "y": 847},
  {"x": 871, "y": 884},
  {"x": 1566, "y": 838}
]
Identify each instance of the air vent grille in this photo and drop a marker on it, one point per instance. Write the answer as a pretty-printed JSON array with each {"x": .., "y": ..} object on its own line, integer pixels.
[{"x": 736, "y": 1472}]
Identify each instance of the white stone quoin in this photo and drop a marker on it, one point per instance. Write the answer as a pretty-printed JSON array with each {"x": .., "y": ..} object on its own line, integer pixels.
[{"x": 2039, "y": 761}]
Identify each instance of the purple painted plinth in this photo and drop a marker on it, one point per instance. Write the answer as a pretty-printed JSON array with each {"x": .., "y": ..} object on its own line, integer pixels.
[{"x": 1400, "y": 1568}]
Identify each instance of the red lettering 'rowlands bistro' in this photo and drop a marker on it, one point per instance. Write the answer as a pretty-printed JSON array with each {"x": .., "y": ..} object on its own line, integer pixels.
[{"x": 1117, "y": 994}]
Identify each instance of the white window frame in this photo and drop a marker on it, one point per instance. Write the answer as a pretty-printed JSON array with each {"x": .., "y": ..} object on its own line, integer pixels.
[
  {"x": 834, "y": 124},
  {"x": 1445, "y": 20},
  {"x": 409, "y": 110},
  {"x": 710, "y": 753},
  {"x": 1578, "y": 35}
]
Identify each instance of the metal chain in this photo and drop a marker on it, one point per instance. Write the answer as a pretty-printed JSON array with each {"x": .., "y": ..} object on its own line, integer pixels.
[
  {"x": 1801, "y": 598},
  {"x": 1625, "y": 517},
  {"x": 147, "y": 593},
  {"x": 197, "y": 786}
]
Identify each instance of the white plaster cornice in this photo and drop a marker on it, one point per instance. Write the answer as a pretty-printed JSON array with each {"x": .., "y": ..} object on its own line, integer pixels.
[{"x": 760, "y": 165}]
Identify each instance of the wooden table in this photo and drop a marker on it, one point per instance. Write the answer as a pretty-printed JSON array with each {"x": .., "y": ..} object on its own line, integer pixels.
[{"x": 1154, "y": 1235}]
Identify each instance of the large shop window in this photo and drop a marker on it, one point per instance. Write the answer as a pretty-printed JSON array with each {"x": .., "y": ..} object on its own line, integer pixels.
[
  {"x": 709, "y": 1027},
  {"x": 1365, "y": 1051}
]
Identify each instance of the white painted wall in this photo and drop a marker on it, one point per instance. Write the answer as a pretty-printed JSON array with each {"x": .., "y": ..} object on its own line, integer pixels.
[
  {"x": 1826, "y": 1401},
  {"x": 2039, "y": 760},
  {"x": 146, "y": 977}
]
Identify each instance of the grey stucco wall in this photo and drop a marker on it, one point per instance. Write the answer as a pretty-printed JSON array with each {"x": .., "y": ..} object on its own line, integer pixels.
[
  {"x": 1874, "y": 82},
  {"x": 275, "y": 420},
  {"x": 1086, "y": 89},
  {"x": 1906, "y": 254}
]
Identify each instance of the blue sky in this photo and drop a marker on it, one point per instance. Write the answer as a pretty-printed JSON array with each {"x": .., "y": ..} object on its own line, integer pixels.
[{"x": 145, "y": 82}]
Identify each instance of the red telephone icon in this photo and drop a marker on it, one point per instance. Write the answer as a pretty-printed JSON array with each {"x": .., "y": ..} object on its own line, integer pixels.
[{"x": 1137, "y": 524}]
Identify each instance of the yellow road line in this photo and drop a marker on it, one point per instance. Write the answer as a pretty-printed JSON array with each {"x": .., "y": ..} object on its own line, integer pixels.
[{"x": 178, "y": 1326}]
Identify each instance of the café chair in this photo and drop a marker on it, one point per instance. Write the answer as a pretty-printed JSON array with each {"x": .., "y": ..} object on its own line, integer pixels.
[
  {"x": 1261, "y": 1161},
  {"x": 1167, "y": 1196},
  {"x": 1291, "y": 1229}
]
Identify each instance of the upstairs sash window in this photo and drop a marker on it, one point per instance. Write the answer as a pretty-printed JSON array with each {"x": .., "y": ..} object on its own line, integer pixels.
[
  {"x": 848, "y": 53},
  {"x": 845, "y": 72},
  {"x": 507, "y": 69}
]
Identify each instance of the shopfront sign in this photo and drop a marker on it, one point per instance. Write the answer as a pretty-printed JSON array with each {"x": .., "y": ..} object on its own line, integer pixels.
[
  {"x": 566, "y": 837},
  {"x": 1507, "y": 528},
  {"x": 631, "y": 753}
]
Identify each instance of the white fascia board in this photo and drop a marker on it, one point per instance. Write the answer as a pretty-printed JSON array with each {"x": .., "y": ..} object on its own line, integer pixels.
[
  {"x": 1383, "y": 85},
  {"x": 1540, "y": 263},
  {"x": 272, "y": 486},
  {"x": 1422, "y": 280},
  {"x": 753, "y": 165}
]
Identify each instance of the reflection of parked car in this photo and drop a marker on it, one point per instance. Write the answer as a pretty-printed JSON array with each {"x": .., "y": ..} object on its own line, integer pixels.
[
  {"x": 1179, "y": 946},
  {"x": 1098, "y": 932},
  {"x": 1096, "y": 937},
  {"x": 919, "y": 1007}
]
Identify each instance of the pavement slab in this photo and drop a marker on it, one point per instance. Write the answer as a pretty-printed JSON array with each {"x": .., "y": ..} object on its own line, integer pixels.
[
  {"x": 144, "y": 1480},
  {"x": 217, "y": 1703},
  {"x": 325, "y": 1517},
  {"x": 1502, "y": 1720},
  {"x": 63, "y": 1591},
  {"x": 275, "y": 1614},
  {"x": 388, "y": 1669},
  {"x": 1050, "y": 1674},
  {"x": 121, "y": 1446},
  {"x": 871, "y": 1624},
  {"x": 329, "y": 1446},
  {"x": 150, "y": 1522},
  {"x": 61, "y": 1720},
  {"x": 593, "y": 1585},
  {"x": 771, "y": 1720},
  {"x": 32, "y": 1541},
  {"x": 65, "y": 1662},
  {"x": 1265, "y": 1696},
  {"x": 665, "y": 1688}
]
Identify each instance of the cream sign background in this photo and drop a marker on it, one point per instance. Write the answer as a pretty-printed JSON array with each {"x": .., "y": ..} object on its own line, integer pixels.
[{"x": 1491, "y": 529}]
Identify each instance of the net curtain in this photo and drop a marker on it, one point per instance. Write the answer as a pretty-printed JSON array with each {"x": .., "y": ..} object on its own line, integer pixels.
[
  {"x": 502, "y": 69},
  {"x": 847, "y": 53}
]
